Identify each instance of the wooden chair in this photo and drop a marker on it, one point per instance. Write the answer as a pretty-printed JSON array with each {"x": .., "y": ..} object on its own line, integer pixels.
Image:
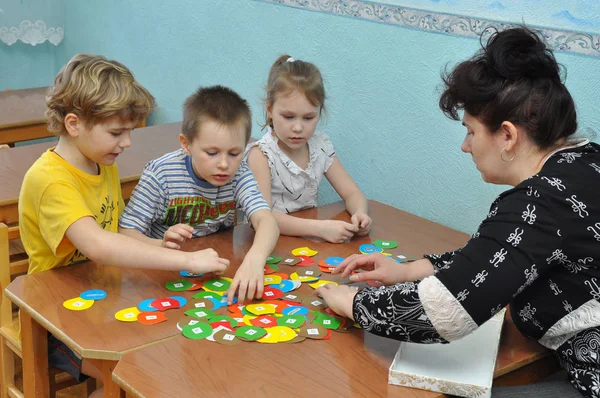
[{"x": 10, "y": 344}]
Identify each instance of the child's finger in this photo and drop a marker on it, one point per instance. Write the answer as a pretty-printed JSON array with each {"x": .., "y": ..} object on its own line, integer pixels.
[
  {"x": 231, "y": 292},
  {"x": 172, "y": 245},
  {"x": 242, "y": 290},
  {"x": 259, "y": 289},
  {"x": 350, "y": 227}
]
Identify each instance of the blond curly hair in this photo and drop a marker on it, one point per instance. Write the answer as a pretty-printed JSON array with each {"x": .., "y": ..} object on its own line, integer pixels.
[{"x": 95, "y": 89}]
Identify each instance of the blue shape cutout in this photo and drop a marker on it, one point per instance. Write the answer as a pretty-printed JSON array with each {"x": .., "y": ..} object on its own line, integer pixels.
[
  {"x": 182, "y": 300},
  {"x": 334, "y": 261},
  {"x": 295, "y": 310},
  {"x": 368, "y": 248},
  {"x": 144, "y": 305},
  {"x": 96, "y": 294}
]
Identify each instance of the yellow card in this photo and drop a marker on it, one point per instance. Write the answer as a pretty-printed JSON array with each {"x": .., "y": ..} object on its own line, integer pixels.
[
  {"x": 213, "y": 291},
  {"x": 272, "y": 279},
  {"x": 78, "y": 304},
  {"x": 304, "y": 251},
  {"x": 282, "y": 333},
  {"x": 260, "y": 309},
  {"x": 247, "y": 319},
  {"x": 320, "y": 283},
  {"x": 128, "y": 314}
]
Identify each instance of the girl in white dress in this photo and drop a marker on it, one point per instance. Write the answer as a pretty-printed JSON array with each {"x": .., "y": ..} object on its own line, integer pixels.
[{"x": 290, "y": 160}]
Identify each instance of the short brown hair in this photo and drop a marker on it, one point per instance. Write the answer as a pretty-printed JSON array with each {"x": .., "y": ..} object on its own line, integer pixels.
[
  {"x": 218, "y": 103},
  {"x": 95, "y": 89},
  {"x": 287, "y": 75}
]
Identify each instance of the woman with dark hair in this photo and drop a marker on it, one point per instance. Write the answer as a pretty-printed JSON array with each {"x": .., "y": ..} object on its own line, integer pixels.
[{"x": 539, "y": 247}]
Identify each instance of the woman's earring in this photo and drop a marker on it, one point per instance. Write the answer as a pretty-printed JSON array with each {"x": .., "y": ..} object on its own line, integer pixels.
[{"x": 502, "y": 156}]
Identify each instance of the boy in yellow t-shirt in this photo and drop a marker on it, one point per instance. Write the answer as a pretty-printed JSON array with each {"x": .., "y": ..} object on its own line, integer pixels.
[{"x": 70, "y": 200}]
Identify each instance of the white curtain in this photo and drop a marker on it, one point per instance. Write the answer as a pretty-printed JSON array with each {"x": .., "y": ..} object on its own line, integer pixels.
[{"x": 31, "y": 21}]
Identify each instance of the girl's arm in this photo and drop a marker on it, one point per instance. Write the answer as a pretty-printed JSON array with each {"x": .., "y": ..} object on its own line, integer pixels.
[
  {"x": 330, "y": 230},
  {"x": 355, "y": 200}
]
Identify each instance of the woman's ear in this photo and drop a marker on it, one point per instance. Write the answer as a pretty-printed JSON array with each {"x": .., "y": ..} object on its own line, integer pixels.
[
  {"x": 72, "y": 123},
  {"x": 510, "y": 135}
]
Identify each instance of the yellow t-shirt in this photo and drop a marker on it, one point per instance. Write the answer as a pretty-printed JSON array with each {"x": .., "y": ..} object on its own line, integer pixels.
[{"x": 53, "y": 196}]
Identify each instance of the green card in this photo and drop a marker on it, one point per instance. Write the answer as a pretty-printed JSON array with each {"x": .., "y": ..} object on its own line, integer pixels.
[{"x": 198, "y": 331}]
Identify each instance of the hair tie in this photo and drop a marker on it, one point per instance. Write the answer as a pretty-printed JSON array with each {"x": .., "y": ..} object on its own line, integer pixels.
[{"x": 290, "y": 59}]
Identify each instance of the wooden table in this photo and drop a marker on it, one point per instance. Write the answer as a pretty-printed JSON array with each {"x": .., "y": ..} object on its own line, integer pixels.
[
  {"x": 350, "y": 364},
  {"x": 147, "y": 143},
  {"x": 22, "y": 115}
]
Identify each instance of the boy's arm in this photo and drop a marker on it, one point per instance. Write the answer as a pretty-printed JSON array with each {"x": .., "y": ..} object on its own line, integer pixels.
[
  {"x": 355, "y": 200},
  {"x": 330, "y": 230},
  {"x": 137, "y": 235},
  {"x": 109, "y": 248},
  {"x": 248, "y": 280}
]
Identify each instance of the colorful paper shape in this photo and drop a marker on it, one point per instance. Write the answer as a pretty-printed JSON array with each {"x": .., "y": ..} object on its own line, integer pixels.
[
  {"x": 151, "y": 318},
  {"x": 95, "y": 294},
  {"x": 304, "y": 251},
  {"x": 250, "y": 333},
  {"x": 165, "y": 303},
  {"x": 127, "y": 315},
  {"x": 217, "y": 284},
  {"x": 145, "y": 306},
  {"x": 385, "y": 244},
  {"x": 78, "y": 304},
  {"x": 178, "y": 286},
  {"x": 273, "y": 259},
  {"x": 198, "y": 331},
  {"x": 368, "y": 248}
]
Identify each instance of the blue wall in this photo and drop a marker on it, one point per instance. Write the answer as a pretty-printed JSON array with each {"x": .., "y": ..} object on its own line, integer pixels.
[
  {"x": 382, "y": 81},
  {"x": 24, "y": 66}
]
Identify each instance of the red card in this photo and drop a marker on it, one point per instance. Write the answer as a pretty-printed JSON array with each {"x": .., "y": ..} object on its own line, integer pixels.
[
  {"x": 306, "y": 261},
  {"x": 165, "y": 303},
  {"x": 264, "y": 321},
  {"x": 271, "y": 293}
]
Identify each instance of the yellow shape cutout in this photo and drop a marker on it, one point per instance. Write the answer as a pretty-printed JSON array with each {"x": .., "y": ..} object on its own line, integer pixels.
[
  {"x": 295, "y": 277},
  {"x": 213, "y": 291},
  {"x": 282, "y": 333},
  {"x": 260, "y": 309},
  {"x": 320, "y": 283},
  {"x": 247, "y": 319},
  {"x": 128, "y": 314},
  {"x": 269, "y": 338},
  {"x": 78, "y": 304},
  {"x": 272, "y": 279},
  {"x": 304, "y": 251},
  {"x": 387, "y": 254}
]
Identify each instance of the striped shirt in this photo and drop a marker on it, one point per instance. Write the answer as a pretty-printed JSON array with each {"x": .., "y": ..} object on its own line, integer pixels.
[{"x": 169, "y": 193}]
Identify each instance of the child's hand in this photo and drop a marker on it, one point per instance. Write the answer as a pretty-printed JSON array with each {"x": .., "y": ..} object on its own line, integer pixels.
[
  {"x": 206, "y": 260},
  {"x": 363, "y": 222},
  {"x": 249, "y": 280},
  {"x": 339, "y": 298},
  {"x": 176, "y": 236},
  {"x": 334, "y": 231}
]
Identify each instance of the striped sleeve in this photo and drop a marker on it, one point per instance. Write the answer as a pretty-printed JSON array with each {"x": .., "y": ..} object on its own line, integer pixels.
[
  {"x": 144, "y": 206},
  {"x": 247, "y": 195}
]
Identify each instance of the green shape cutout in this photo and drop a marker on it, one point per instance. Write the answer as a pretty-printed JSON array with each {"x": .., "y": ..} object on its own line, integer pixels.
[
  {"x": 328, "y": 321},
  {"x": 292, "y": 321},
  {"x": 207, "y": 295},
  {"x": 217, "y": 284},
  {"x": 179, "y": 286},
  {"x": 386, "y": 244},
  {"x": 273, "y": 259},
  {"x": 200, "y": 313},
  {"x": 250, "y": 333},
  {"x": 198, "y": 331},
  {"x": 221, "y": 318}
]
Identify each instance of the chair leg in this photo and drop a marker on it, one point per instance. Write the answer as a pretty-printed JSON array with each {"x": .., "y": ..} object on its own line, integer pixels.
[
  {"x": 7, "y": 367},
  {"x": 90, "y": 386}
]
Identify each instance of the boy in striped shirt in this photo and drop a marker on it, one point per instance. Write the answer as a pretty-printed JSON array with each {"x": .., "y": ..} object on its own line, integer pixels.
[{"x": 195, "y": 190}]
